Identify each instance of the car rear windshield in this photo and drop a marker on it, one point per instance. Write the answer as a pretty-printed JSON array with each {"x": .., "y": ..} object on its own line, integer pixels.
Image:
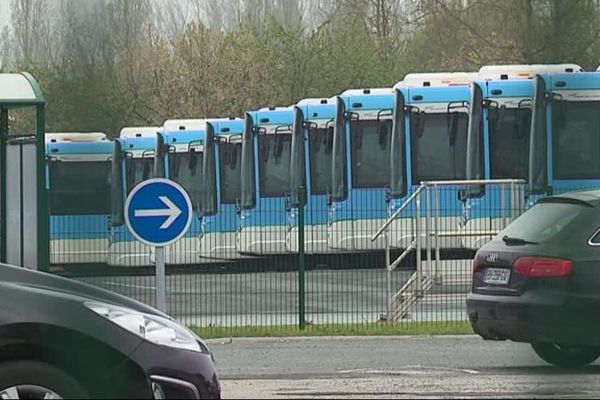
[{"x": 543, "y": 222}]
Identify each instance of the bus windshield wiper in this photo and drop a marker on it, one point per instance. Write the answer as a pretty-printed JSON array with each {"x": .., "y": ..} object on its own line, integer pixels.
[{"x": 516, "y": 241}]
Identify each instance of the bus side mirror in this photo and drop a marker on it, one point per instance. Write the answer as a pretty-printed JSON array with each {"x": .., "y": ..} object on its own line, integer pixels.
[
  {"x": 500, "y": 118},
  {"x": 329, "y": 140},
  {"x": 192, "y": 162},
  {"x": 560, "y": 110},
  {"x": 453, "y": 128},
  {"x": 419, "y": 118},
  {"x": 264, "y": 149},
  {"x": 278, "y": 147},
  {"x": 357, "y": 137},
  {"x": 146, "y": 170},
  {"x": 523, "y": 122},
  {"x": 231, "y": 154},
  {"x": 384, "y": 130}
]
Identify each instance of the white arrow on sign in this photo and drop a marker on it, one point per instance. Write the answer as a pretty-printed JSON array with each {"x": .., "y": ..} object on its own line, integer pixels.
[{"x": 172, "y": 212}]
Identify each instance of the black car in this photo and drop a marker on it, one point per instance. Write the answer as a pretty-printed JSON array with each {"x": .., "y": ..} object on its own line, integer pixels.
[
  {"x": 538, "y": 281},
  {"x": 63, "y": 339}
]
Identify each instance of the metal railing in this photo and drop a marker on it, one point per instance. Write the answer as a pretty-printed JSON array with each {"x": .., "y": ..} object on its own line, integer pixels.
[{"x": 414, "y": 289}]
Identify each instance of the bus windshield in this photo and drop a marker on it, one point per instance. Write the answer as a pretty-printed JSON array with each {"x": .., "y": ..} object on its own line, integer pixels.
[
  {"x": 438, "y": 151},
  {"x": 370, "y": 142},
  {"x": 321, "y": 146},
  {"x": 510, "y": 130},
  {"x": 576, "y": 139},
  {"x": 274, "y": 164},
  {"x": 79, "y": 187},
  {"x": 185, "y": 169},
  {"x": 230, "y": 163}
]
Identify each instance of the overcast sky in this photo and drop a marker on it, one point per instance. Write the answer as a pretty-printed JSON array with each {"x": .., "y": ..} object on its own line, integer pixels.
[{"x": 4, "y": 14}]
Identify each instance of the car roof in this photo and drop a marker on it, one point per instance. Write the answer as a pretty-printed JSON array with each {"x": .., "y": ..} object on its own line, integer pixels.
[{"x": 590, "y": 198}]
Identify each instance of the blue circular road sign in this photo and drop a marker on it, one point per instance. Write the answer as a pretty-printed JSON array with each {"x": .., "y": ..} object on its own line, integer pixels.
[{"x": 158, "y": 212}]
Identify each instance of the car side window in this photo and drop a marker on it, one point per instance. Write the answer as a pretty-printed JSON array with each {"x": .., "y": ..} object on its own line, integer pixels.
[{"x": 595, "y": 239}]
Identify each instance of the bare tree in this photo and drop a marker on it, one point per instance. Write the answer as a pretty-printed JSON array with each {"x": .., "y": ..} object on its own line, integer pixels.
[
  {"x": 6, "y": 57},
  {"x": 221, "y": 15},
  {"x": 30, "y": 23},
  {"x": 172, "y": 17},
  {"x": 129, "y": 20}
]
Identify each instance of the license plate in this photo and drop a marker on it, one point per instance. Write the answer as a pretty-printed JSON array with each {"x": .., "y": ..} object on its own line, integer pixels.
[{"x": 497, "y": 276}]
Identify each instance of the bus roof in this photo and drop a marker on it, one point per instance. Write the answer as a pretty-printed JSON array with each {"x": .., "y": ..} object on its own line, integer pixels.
[
  {"x": 228, "y": 119},
  {"x": 288, "y": 108},
  {"x": 185, "y": 124},
  {"x": 139, "y": 131},
  {"x": 362, "y": 92},
  {"x": 437, "y": 79},
  {"x": 316, "y": 101},
  {"x": 524, "y": 71},
  {"x": 54, "y": 137}
]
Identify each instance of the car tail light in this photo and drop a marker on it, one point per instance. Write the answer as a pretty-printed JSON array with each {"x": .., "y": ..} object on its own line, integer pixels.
[
  {"x": 543, "y": 267},
  {"x": 477, "y": 265}
]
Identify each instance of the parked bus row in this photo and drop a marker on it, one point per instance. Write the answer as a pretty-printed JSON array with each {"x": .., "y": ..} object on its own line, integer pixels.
[{"x": 359, "y": 155}]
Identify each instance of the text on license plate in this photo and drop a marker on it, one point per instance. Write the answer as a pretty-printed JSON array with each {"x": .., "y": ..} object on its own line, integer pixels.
[{"x": 497, "y": 276}]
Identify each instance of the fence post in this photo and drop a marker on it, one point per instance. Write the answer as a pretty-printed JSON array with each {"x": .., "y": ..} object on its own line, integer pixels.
[
  {"x": 3, "y": 215},
  {"x": 388, "y": 278},
  {"x": 419, "y": 286},
  {"x": 301, "y": 259}
]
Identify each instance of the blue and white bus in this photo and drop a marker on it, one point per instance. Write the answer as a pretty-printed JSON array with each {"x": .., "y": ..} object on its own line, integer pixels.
[
  {"x": 312, "y": 152},
  {"x": 360, "y": 168},
  {"x": 179, "y": 157},
  {"x": 500, "y": 139},
  {"x": 132, "y": 163},
  {"x": 221, "y": 173},
  {"x": 78, "y": 184},
  {"x": 565, "y": 149},
  {"x": 265, "y": 181},
  {"x": 429, "y": 143}
]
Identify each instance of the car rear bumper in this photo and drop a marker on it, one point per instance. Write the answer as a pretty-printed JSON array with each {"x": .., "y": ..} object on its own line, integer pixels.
[{"x": 535, "y": 317}]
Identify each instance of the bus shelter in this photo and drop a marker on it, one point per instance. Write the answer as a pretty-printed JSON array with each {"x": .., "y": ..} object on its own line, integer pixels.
[{"x": 24, "y": 220}]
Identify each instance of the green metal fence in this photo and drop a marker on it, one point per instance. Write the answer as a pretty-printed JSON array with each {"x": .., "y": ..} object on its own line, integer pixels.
[{"x": 421, "y": 276}]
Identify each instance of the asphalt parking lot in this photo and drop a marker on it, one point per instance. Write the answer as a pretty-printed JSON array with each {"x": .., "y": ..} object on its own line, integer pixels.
[
  {"x": 271, "y": 298},
  {"x": 393, "y": 367}
]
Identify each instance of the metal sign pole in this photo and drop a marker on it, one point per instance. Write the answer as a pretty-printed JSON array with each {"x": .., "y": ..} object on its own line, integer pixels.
[{"x": 161, "y": 281}]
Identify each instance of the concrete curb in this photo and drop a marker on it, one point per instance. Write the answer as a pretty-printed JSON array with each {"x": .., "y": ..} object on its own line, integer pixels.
[{"x": 229, "y": 340}]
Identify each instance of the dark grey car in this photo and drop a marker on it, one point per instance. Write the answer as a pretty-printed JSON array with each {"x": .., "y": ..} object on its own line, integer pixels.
[
  {"x": 64, "y": 339},
  {"x": 538, "y": 281}
]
